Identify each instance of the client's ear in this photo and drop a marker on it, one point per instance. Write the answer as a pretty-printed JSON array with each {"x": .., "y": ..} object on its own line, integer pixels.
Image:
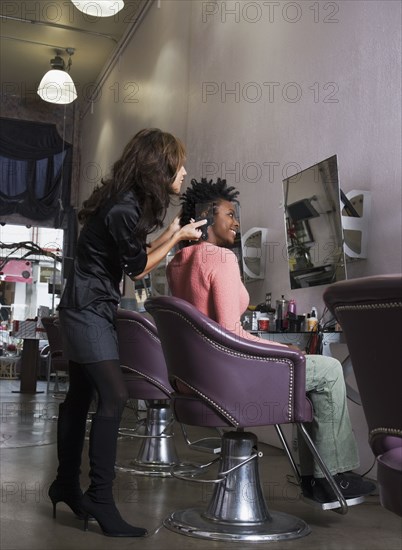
[{"x": 211, "y": 238}]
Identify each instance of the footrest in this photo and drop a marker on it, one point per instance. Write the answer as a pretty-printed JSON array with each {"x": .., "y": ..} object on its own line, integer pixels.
[
  {"x": 188, "y": 471},
  {"x": 334, "y": 505},
  {"x": 142, "y": 469},
  {"x": 207, "y": 445}
]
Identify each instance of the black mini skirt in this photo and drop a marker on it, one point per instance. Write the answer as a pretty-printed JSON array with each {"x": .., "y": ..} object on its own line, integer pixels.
[{"x": 87, "y": 337}]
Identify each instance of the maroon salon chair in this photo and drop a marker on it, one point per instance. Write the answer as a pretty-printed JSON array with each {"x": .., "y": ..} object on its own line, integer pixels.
[
  {"x": 145, "y": 374},
  {"x": 224, "y": 381},
  {"x": 369, "y": 311}
]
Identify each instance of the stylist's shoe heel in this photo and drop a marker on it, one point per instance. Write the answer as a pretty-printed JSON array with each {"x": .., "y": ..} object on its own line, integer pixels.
[{"x": 71, "y": 497}]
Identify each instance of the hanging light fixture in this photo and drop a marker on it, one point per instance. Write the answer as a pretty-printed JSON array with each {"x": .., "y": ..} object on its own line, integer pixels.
[
  {"x": 100, "y": 8},
  {"x": 57, "y": 86}
]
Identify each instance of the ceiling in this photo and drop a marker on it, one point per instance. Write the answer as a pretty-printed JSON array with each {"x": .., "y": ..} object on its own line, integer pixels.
[{"x": 31, "y": 32}]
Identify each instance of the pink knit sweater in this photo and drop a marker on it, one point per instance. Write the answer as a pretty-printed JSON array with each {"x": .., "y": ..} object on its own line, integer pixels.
[{"x": 208, "y": 277}]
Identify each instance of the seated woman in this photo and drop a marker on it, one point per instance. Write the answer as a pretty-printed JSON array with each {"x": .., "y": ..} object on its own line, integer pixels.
[{"x": 206, "y": 273}]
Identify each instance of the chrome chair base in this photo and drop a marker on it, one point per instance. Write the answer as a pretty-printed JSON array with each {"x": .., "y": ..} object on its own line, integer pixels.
[
  {"x": 279, "y": 526},
  {"x": 157, "y": 454},
  {"x": 237, "y": 510}
]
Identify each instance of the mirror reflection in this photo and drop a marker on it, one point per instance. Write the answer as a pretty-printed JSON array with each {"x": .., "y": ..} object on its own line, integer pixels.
[{"x": 313, "y": 225}]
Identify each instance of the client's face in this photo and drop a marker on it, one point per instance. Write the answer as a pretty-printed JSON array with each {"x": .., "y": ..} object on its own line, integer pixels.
[{"x": 223, "y": 231}]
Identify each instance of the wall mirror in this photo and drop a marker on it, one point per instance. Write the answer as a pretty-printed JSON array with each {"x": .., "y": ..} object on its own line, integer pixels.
[{"x": 313, "y": 224}]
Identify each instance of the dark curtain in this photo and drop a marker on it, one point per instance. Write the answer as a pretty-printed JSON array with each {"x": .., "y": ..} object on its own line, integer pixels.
[{"x": 35, "y": 171}]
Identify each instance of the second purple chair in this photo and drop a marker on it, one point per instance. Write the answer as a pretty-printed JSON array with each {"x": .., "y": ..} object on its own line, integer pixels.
[
  {"x": 145, "y": 373},
  {"x": 57, "y": 363},
  {"x": 369, "y": 310}
]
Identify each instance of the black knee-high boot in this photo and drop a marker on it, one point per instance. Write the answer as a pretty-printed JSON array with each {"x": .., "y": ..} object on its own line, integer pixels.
[
  {"x": 98, "y": 500},
  {"x": 71, "y": 427}
]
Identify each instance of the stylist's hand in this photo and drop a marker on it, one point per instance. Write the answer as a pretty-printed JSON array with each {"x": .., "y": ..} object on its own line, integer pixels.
[
  {"x": 174, "y": 227},
  {"x": 190, "y": 232}
]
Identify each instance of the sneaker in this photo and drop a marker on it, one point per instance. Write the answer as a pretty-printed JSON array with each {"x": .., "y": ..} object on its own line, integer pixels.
[{"x": 351, "y": 486}]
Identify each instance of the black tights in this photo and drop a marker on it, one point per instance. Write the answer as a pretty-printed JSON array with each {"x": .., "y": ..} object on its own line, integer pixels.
[{"x": 106, "y": 379}]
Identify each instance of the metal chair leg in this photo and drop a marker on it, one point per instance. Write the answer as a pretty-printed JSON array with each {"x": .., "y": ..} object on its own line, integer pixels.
[
  {"x": 340, "y": 505},
  {"x": 286, "y": 447},
  {"x": 237, "y": 510}
]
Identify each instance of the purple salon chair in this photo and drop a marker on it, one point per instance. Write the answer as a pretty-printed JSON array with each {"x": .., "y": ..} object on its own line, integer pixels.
[
  {"x": 369, "y": 311},
  {"x": 224, "y": 381},
  {"x": 145, "y": 374},
  {"x": 57, "y": 366}
]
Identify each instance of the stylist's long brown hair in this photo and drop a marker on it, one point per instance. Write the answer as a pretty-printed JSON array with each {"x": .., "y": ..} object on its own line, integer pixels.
[{"x": 148, "y": 166}]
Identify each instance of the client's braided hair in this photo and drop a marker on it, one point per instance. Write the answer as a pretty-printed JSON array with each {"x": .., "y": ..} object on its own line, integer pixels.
[{"x": 202, "y": 192}]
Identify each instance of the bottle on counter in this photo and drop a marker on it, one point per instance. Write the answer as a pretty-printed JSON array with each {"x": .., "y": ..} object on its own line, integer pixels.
[
  {"x": 314, "y": 309},
  {"x": 291, "y": 316},
  {"x": 254, "y": 321},
  {"x": 270, "y": 311},
  {"x": 292, "y": 306},
  {"x": 312, "y": 322},
  {"x": 281, "y": 314}
]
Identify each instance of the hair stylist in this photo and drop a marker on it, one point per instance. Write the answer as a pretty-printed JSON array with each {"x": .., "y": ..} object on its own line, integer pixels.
[{"x": 117, "y": 218}]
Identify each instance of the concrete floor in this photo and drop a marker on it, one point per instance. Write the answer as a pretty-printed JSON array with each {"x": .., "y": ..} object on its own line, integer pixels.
[{"x": 28, "y": 465}]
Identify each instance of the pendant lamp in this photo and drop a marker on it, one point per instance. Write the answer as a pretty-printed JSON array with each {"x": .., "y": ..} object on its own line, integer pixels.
[
  {"x": 57, "y": 86},
  {"x": 99, "y": 8}
]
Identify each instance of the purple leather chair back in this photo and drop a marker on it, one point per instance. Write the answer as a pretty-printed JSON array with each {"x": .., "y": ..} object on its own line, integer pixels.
[
  {"x": 369, "y": 310},
  {"x": 222, "y": 380},
  {"x": 141, "y": 357}
]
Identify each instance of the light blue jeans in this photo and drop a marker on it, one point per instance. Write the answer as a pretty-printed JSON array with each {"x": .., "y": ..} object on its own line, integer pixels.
[{"x": 331, "y": 429}]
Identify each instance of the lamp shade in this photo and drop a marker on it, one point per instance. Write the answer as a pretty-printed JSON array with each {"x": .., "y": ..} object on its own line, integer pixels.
[
  {"x": 100, "y": 8},
  {"x": 57, "y": 86}
]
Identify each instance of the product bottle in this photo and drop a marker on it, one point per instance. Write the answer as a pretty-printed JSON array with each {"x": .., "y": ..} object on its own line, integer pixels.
[
  {"x": 312, "y": 322},
  {"x": 292, "y": 307},
  {"x": 254, "y": 322},
  {"x": 281, "y": 312},
  {"x": 291, "y": 315},
  {"x": 314, "y": 310}
]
